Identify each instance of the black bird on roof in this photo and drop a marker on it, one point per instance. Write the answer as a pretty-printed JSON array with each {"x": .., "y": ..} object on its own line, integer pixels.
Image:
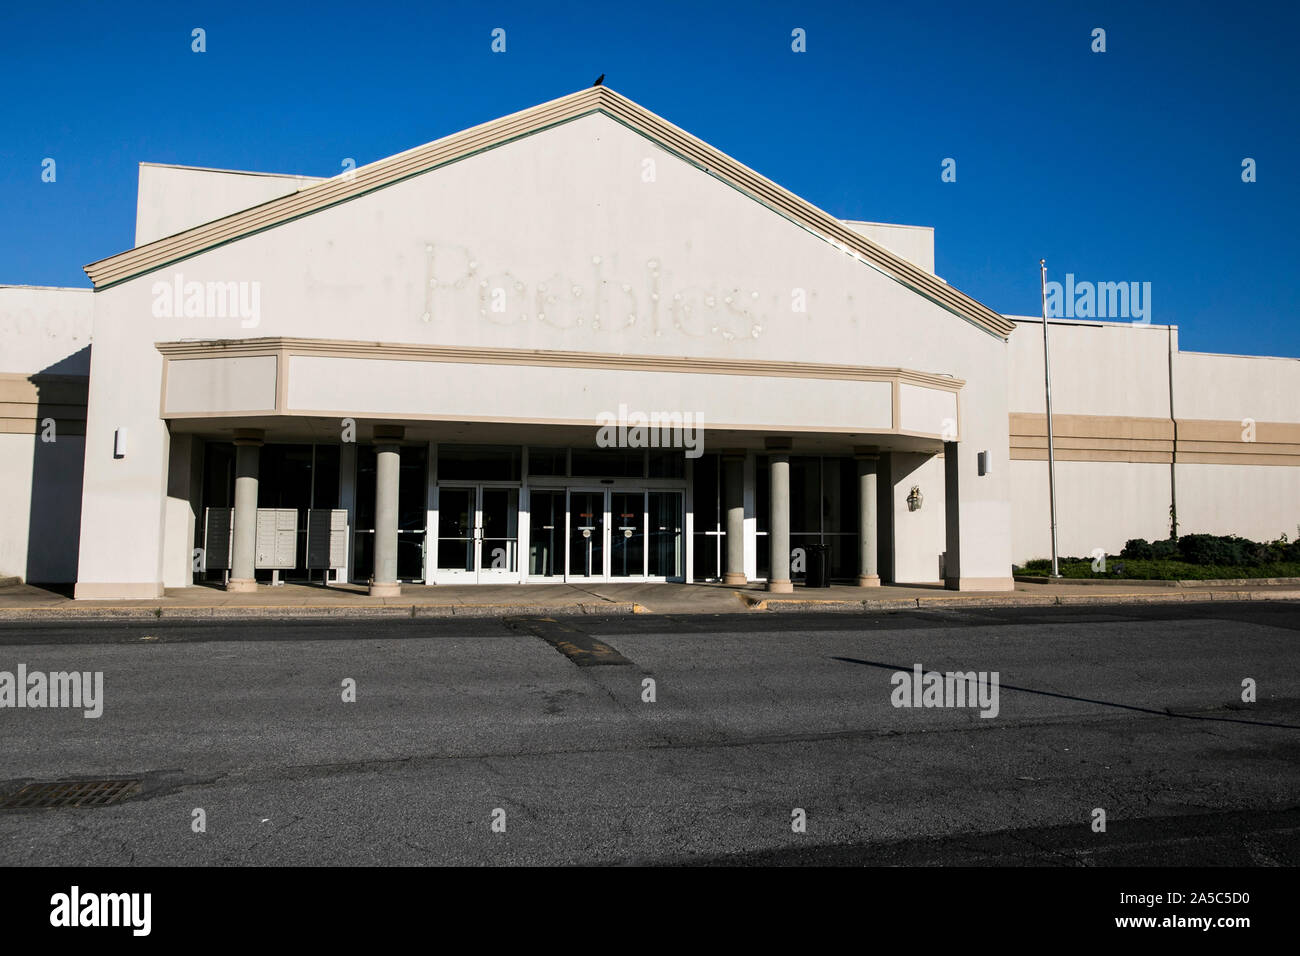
[{"x": 599, "y": 80}]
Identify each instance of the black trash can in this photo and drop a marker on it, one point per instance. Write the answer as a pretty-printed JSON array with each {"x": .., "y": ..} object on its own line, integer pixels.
[{"x": 818, "y": 574}]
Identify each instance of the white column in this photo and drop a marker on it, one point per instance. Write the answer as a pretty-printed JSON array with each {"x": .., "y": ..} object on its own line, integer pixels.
[
  {"x": 383, "y": 581},
  {"x": 248, "y": 453},
  {"x": 778, "y": 580},
  {"x": 868, "y": 570}
]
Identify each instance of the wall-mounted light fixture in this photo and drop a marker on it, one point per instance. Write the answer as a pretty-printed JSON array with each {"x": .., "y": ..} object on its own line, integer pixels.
[
  {"x": 119, "y": 443},
  {"x": 983, "y": 459},
  {"x": 915, "y": 498}
]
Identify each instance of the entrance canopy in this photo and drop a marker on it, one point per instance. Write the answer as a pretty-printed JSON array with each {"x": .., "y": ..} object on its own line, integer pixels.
[{"x": 269, "y": 383}]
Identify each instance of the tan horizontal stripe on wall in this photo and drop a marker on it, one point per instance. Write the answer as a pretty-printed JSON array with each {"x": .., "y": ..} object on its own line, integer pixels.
[
  {"x": 42, "y": 409},
  {"x": 33, "y": 426},
  {"x": 1205, "y": 442},
  {"x": 1247, "y": 456},
  {"x": 1077, "y": 454},
  {"x": 1236, "y": 447},
  {"x": 41, "y": 389},
  {"x": 1093, "y": 426},
  {"x": 502, "y": 356},
  {"x": 1125, "y": 438},
  {"x": 1095, "y": 444},
  {"x": 394, "y": 169},
  {"x": 1235, "y": 433},
  {"x": 27, "y": 401},
  {"x": 1092, "y": 438}
]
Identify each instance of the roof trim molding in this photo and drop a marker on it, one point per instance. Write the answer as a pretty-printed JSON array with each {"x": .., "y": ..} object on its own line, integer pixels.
[{"x": 394, "y": 169}]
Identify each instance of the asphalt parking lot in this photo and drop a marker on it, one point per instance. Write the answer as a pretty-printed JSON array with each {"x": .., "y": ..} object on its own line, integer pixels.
[{"x": 699, "y": 744}]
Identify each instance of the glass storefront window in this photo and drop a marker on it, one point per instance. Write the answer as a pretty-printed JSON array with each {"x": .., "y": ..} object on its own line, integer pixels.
[
  {"x": 706, "y": 495},
  {"x": 297, "y": 476},
  {"x": 630, "y": 531},
  {"x": 456, "y": 529},
  {"x": 586, "y": 534},
  {"x": 412, "y": 511},
  {"x": 762, "y": 515},
  {"x": 499, "y": 512},
  {"x": 365, "y": 490},
  {"x": 325, "y": 477},
  {"x": 284, "y": 476},
  {"x": 609, "y": 462},
  {"x": 823, "y": 510},
  {"x": 547, "y": 461},
  {"x": 705, "y": 485},
  {"x": 667, "y": 463},
  {"x": 545, "y": 533},
  {"x": 667, "y": 557},
  {"x": 478, "y": 462},
  {"x": 218, "y": 474},
  {"x": 805, "y": 495}
]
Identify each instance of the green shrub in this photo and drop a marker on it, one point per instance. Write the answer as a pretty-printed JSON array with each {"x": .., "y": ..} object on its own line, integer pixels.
[
  {"x": 1191, "y": 556},
  {"x": 1139, "y": 569},
  {"x": 1137, "y": 548},
  {"x": 1217, "y": 549},
  {"x": 1166, "y": 550},
  {"x": 1143, "y": 550}
]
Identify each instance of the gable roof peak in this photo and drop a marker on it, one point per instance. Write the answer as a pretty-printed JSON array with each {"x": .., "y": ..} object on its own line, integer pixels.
[{"x": 352, "y": 184}]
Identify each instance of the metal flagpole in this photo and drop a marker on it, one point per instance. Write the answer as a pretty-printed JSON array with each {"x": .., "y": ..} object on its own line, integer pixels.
[{"x": 1051, "y": 449}]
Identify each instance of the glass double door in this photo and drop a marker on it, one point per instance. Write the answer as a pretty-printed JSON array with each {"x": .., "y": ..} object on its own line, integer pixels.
[
  {"x": 478, "y": 534},
  {"x": 604, "y": 534}
]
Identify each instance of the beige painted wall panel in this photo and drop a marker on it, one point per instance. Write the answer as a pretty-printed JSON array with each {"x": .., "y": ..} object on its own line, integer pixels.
[
  {"x": 1258, "y": 502},
  {"x": 40, "y": 485},
  {"x": 173, "y": 198},
  {"x": 45, "y": 330},
  {"x": 179, "y": 545},
  {"x": 931, "y": 411},
  {"x": 16, "y": 489},
  {"x": 1099, "y": 505},
  {"x": 1235, "y": 387},
  {"x": 243, "y": 384},
  {"x": 913, "y": 243},
  {"x": 452, "y": 390},
  {"x": 918, "y": 535},
  {"x": 1119, "y": 369}
]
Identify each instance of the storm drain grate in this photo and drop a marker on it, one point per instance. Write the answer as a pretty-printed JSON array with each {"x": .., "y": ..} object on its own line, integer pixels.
[{"x": 70, "y": 793}]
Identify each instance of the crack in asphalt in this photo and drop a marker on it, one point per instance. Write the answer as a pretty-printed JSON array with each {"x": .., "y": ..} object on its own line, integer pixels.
[{"x": 1002, "y": 685}]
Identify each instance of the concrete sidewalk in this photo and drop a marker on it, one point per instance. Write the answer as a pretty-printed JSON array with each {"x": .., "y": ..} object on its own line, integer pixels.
[{"x": 29, "y": 603}]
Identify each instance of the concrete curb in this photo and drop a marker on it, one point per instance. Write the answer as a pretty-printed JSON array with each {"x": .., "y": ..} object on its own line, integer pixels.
[
  {"x": 72, "y": 613},
  {"x": 296, "y": 612},
  {"x": 1046, "y": 600},
  {"x": 1182, "y": 583}
]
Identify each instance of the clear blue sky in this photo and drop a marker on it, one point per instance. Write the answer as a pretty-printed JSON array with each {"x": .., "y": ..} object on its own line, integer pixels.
[{"x": 1122, "y": 166}]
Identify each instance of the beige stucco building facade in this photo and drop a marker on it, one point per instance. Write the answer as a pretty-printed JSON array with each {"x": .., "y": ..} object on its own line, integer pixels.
[{"x": 408, "y": 373}]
